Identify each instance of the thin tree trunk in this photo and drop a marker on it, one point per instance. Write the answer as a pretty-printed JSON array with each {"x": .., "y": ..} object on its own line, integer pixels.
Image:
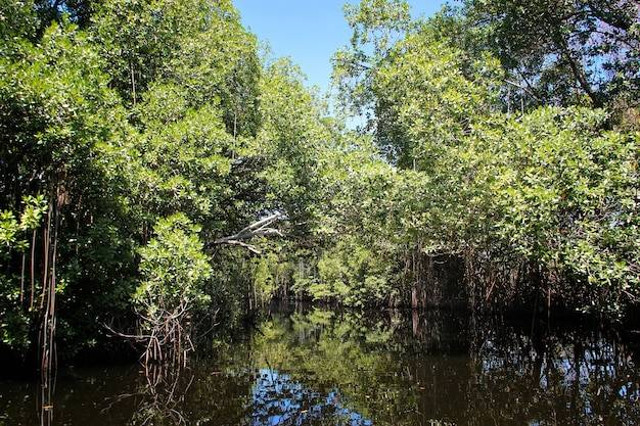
[
  {"x": 46, "y": 244},
  {"x": 133, "y": 83},
  {"x": 33, "y": 267},
  {"x": 24, "y": 261}
]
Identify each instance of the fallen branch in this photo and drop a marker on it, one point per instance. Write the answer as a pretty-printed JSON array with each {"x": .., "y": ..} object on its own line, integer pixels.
[{"x": 258, "y": 229}]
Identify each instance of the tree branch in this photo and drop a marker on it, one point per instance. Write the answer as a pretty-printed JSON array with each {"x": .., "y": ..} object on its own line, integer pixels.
[{"x": 257, "y": 229}]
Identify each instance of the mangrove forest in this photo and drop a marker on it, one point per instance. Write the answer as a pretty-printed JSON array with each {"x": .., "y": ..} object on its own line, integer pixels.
[{"x": 191, "y": 233}]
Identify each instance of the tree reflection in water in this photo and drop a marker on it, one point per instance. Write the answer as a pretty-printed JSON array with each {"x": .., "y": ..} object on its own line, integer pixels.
[
  {"x": 390, "y": 368},
  {"x": 439, "y": 368}
]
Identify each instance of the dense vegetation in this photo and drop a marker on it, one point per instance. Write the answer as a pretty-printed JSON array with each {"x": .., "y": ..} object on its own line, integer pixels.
[{"x": 138, "y": 134}]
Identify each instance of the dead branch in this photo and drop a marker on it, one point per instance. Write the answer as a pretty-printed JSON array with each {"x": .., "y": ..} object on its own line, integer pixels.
[
  {"x": 258, "y": 229},
  {"x": 524, "y": 89},
  {"x": 134, "y": 337}
]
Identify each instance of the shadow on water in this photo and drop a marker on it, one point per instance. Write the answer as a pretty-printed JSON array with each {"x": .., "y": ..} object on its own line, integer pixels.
[{"x": 398, "y": 368}]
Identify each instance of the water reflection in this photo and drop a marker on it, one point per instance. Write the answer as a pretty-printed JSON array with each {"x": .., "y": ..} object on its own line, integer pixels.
[
  {"x": 159, "y": 399},
  {"x": 279, "y": 400},
  {"x": 395, "y": 368}
]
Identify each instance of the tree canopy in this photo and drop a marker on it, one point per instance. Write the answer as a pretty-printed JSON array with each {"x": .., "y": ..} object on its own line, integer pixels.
[{"x": 500, "y": 138}]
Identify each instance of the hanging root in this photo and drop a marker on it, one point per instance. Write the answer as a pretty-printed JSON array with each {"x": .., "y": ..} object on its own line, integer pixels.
[{"x": 168, "y": 340}]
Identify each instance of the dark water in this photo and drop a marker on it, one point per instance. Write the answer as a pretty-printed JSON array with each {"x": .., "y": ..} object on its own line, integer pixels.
[{"x": 389, "y": 368}]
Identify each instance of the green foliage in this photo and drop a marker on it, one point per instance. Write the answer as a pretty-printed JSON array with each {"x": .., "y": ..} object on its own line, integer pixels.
[
  {"x": 352, "y": 274},
  {"x": 184, "y": 164},
  {"x": 293, "y": 139},
  {"x": 173, "y": 267},
  {"x": 111, "y": 163},
  {"x": 198, "y": 45},
  {"x": 572, "y": 52},
  {"x": 550, "y": 187},
  {"x": 430, "y": 98},
  {"x": 9, "y": 228},
  {"x": 51, "y": 99},
  {"x": 119, "y": 115},
  {"x": 564, "y": 193},
  {"x": 376, "y": 26},
  {"x": 17, "y": 19},
  {"x": 15, "y": 323},
  {"x": 269, "y": 272},
  {"x": 13, "y": 231}
]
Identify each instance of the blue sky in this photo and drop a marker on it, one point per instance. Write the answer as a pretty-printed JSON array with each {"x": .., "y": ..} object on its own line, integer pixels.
[{"x": 308, "y": 31}]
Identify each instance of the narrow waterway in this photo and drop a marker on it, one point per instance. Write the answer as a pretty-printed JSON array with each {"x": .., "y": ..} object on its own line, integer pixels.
[{"x": 390, "y": 368}]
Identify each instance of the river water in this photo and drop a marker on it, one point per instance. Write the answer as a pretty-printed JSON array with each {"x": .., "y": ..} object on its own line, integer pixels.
[{"x": 345, "y": 368}]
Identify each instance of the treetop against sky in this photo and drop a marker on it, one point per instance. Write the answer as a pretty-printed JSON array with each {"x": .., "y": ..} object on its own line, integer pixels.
[{"x": 309, "y": 31}]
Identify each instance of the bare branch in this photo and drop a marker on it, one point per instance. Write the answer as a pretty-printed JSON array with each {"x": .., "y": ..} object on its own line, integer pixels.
[
  {"x": 524, "y": 89},
  {"x": 249, "y": 247},
  {"x": 257, "y": 229}
]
